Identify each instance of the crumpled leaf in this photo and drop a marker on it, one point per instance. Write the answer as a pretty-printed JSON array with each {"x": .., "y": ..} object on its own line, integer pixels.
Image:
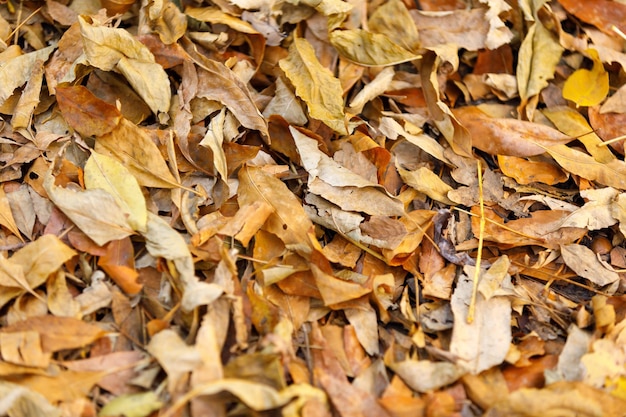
[
  {"x": 588, "y": 87},
  {"x": 106, "y": 173},
  {"x": 289, "y": 221},
  {"x": 315, "y": 84},
  {"x": 597, "y": 213},
  {"x": 218, "y": 82}
]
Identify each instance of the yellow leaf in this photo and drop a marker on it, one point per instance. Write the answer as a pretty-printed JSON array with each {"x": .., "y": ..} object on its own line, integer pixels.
[
  {"x": 41, "y": 258},
  {"x": 289, "y": 221},
  {"x": 538, "y": 56},
  {"x": 95, "y": 212},
  {"x": 393, "y": 19},
  {"x": 6, "y": 216},
  {"x": 574, "y": 124},
  {"x": 106, "y": 173},
  {"x": 612, "y": 173},
  {"x": 427, "y": 182},
  {"x": 132, "y": 146},
  {"x": 315, "y": 84},
  {"x": 588, "y": 87},
  {"x": 370, "y": 49}
]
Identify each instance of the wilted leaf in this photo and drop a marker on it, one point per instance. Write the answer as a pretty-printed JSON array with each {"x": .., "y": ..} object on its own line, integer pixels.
[
  {"x": 425, "y": 375},
  {"x": 527, "y": 172},
  {"x": 164, "y": 242},
  {"x": 315, "y": 84},
  {"x": 427, "y": 182},
  {"x": 394, "y": 20},
  {"x": 340, "y": 185},
  {"x": 588, "y": 87},
  {"x": 510, "y": 137},
  {"x": 611, "y": 173},
  {"x": 119, "y": 264},
  {"x": 538, "y": 56},
  {"x": 31, "y": 266},
  {"x": 218, "y": 82},
  {"x": 22, "y": 402},
  {"x": 114, "y": 48}
]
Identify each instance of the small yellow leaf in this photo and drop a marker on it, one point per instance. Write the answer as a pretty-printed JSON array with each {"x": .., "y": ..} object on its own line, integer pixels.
[
  {"x": 108, "y": 174},
  {"x": 315, "y": 84},
  {"x": 588, "y": 87}
]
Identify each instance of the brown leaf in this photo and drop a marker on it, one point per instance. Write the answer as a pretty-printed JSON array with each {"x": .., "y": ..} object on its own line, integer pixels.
[
  {"x": 508, "y": 136},
  {"x": 86, "y": 113}
]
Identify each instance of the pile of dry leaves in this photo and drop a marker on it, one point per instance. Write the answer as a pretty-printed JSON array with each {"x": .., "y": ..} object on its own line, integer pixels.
[{"x": 312, "y": 208}]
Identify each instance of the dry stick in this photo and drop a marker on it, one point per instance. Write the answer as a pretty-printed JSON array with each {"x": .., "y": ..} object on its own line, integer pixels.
[{"x": 479, "y": 255}]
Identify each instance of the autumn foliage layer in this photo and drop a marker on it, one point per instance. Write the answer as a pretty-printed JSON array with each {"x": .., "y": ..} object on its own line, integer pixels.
[{"x": 312, "y": 208}]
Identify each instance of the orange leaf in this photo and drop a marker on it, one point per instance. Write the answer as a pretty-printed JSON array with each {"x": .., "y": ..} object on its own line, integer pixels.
[
  {"x": 85, "y": 112},
  {"x": 119, "y": 264}
]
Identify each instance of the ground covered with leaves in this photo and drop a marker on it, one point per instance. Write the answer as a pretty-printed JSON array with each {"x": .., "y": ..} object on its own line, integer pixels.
[{"x": 312, "y": 208}]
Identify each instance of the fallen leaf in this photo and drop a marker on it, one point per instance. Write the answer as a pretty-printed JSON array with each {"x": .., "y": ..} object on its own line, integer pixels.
[
  {"x": 584, "y": 262},
  {"x": 485, "y": 341},
  {"x": 588, "y": 87},
  {"x": 105, "y": 173},
  {"x": 132, "y": 405},
  {"x": 95, "y": 212},
  {"x": 16, "y": 71},
  {"x": 370, "y": 49},
  {"x": 315, "y": 84}
]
